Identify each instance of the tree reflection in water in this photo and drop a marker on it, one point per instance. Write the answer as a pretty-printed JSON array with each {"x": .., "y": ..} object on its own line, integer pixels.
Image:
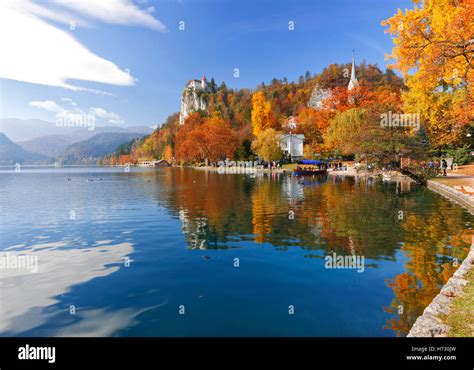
[{"x": 329, "y": 215}]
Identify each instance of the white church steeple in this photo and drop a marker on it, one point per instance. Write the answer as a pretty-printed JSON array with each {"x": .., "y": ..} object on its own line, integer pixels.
[{"x": 353, "y": 81}]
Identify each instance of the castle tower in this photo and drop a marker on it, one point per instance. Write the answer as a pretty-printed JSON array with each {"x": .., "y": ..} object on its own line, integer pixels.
[
  {"x": 203, "y": 83},
  {"x": 353, "y": 81}
]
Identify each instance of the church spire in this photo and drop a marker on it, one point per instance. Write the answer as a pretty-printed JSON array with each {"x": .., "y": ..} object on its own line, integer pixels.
[{"x": 353, "y": 81}]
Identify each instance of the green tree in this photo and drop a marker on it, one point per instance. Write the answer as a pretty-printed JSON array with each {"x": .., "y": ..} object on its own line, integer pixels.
[
  {"x": 213, "y": 86},
  {"x": 460, "y": 155},
  {"x": 267, "y": 145},
  {"x": 344, "y": 129}
]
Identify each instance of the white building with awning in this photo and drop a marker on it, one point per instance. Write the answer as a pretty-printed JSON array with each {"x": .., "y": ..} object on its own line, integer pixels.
[{"x": 292, "y": 144}]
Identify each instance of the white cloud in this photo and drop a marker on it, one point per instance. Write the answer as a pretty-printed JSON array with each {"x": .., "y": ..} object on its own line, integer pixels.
[
  {"x": 52, "y": 13},
  {"x": 48, "y": 105},
  {"x": 110, "y": 116},
  {"x": 35, "y": 51},
  {"x": 115, "y": 12},
  {"x": 52, "y": 106}
]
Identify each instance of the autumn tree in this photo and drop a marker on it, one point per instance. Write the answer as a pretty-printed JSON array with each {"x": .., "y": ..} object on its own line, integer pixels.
[
  {"x": 437, "y": 40},
  {"x": 267, "y": 145},
  {"x": 308, "y": 123},
  {"x": 205, "y": 138},
  {"x": 186, "y": 138},
  {"x": 359, "y": 132},
  {"x": 447, "y": 114},
  {"x": 168, "y": 154},
  {"x": 262, "y": 117},
  {"x": 434, "y": 49},
  {"x": 219, "y": 141},
  {"x": 344, "y": 129}
]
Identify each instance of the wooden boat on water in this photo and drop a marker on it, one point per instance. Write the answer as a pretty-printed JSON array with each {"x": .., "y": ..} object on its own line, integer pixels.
[
  {"x": 310, "y": 168},
  {"x": 304, "y": 171}
]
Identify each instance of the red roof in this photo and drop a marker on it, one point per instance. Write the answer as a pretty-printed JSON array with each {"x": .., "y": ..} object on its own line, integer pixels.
[{"x": 203, "y": 79}]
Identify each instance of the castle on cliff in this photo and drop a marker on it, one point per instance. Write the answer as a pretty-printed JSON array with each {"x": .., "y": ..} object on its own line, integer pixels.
[{"x": 195, "y": 98}]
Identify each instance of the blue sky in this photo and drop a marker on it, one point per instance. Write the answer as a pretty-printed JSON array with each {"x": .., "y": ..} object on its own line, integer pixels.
[{"x": 129, "y": 61}]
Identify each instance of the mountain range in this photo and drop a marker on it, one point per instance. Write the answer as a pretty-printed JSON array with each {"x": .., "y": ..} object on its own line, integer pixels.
[
  {"x": 40, "y": 142},
  {"x": 89, "y": 151},
  {"x": 20, "y": 130},
  {"x": 11, "y": 153}
]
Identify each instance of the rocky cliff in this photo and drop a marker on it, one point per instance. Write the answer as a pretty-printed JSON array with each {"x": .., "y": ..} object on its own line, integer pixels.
[
  {"x": 317, "y": 96},
  {"x": 193, "y": 100}
]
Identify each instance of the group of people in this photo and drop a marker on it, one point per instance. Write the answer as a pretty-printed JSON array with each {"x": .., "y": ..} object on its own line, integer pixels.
[
  {"x": 273, "y": 165},
  {"x": 324, "y": 166},
  {"x": 337, "y": 166},
  {"x": 439, "y": 166}
]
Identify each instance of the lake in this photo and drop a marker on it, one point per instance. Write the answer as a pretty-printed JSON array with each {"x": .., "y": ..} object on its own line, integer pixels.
[{"x": 182, "y": 252}]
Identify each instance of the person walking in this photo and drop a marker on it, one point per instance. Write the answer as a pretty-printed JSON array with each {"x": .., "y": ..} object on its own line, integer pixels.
[{"x": 444, "y": 166}]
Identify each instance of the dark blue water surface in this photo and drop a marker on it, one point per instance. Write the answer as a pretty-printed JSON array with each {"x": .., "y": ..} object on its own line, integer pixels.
[{"x": 182, "y": 252}]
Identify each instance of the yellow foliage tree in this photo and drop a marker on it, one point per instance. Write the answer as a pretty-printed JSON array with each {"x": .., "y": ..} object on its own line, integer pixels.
[
  {"x": 446, "y": 112},
  {"x": 434, "y": 50},
  {"x": 437, "y": 40},
  {"x": 262, "y": 117},
  {"x": 168, "y": 154}
]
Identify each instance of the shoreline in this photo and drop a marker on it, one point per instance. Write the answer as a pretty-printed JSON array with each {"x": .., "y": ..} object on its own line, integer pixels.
[
  {"x": 385, "y": 175},
  {"x": 432, "y": 323},
  {"x": 236, "y": 170},
  {"x": 350, "y": 172},
  {"x": 452, "y": 194}
]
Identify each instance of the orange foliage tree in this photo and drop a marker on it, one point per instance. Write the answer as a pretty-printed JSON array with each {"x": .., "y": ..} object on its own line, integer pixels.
[{"x": 200, "y": 139}]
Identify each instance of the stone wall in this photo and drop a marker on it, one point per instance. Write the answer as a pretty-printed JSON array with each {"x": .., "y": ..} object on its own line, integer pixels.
[
  {"x": 429, "y": 324},
  {"x": 452, "y": 194}
]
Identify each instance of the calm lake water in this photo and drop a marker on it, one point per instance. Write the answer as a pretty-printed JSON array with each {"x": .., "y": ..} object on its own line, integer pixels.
[{"x": 180, "y": 252}]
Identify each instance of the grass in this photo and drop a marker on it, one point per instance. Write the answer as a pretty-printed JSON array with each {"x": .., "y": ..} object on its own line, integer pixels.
[{"x": 461, "y": 316}]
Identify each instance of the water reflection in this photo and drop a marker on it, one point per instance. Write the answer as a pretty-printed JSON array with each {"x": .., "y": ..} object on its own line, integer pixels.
[
  {"x": 379, "y": 220},
  {"x": 102, "y": 322},
  {"x": 25, "y": 295},
  {"x": 184, "y": 228},
  {"x": 435, "y": 242}
]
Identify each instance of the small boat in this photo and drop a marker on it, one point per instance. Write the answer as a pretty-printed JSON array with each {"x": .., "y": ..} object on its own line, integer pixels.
[
  {"x": 298, "y": 171},
  {"x": 311, "y": 168}
]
